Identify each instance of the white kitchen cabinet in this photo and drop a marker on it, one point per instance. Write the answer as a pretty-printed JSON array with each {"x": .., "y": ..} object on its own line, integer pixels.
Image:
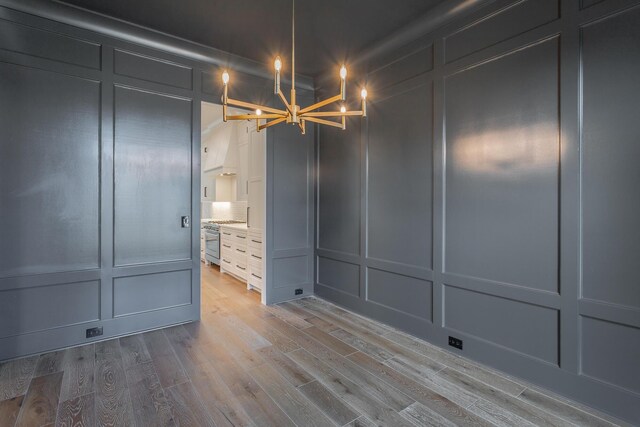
[
  {"x": 233, "y": 251},
  {"x": 219, "y": 148},
  {"x": 208, "y": 187},
  {"x": 257, "y": 141},
  {"x": 242, "y": 178},
  {"x": 256, "y": 196},
  {"x": 255, "y": 256},
  {"x": 216, "y": 188},
  {"x": 224, "y": 188}
]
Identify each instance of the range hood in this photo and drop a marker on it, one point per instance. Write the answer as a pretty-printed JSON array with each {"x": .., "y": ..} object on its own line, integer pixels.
[{"x": 222, "y": 151}]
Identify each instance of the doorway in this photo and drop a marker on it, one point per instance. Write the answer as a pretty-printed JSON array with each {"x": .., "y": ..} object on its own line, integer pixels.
[{"x": 232, "y": 199}]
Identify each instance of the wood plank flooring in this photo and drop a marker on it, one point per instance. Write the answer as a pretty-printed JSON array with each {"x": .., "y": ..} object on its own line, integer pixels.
[{"x": 302, "y": 363}]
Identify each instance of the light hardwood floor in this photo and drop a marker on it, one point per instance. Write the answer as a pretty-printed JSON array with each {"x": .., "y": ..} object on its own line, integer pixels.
[{"x": 305, "y": 363}]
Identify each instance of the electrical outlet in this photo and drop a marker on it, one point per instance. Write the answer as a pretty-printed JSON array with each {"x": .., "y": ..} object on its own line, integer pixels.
[
  {"x": 94, "y": 332},
  {"x": 298, "y": 291},
  {"x": 455, "y": 342}
]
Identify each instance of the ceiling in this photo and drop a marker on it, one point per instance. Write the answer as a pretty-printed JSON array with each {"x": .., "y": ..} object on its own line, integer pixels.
[{"x": 328, "y": 32}]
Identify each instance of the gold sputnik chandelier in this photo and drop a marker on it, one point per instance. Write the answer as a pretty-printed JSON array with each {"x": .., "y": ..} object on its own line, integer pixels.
[{"x": 292, "y": 113}]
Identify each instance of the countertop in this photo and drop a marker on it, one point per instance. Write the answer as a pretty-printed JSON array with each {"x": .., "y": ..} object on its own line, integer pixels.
[{"x": 235, "y": 226}]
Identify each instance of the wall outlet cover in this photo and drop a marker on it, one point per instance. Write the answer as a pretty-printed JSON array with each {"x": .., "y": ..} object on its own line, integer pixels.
[
  {"x": 455, "y": 342},
  {"x": 94, "y": 332}
]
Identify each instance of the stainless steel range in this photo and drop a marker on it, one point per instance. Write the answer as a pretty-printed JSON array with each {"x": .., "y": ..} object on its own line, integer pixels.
[{"x": 212, "y": 238}]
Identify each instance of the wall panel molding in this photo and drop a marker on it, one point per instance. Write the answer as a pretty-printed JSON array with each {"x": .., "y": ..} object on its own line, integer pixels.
[
  {"x": 167, "y": 75},
  {"x": 152, "y": 69},
  {"x": 143, "y": 293},
  {"x": 502, "y": 169},
  {"x": 411, "y": 65},
  {"x": 51, "y": 279},
  {"x": 49, "y": 186},
  {"x": 339, "y": 275},
  {"x": 290, "y": 204},
  {"x": 621, "y": 314},
  {"x": 541, "y": 34},
  {"x": 603, "y": 365},
  {"x": 514, "y": 19},
  {"x": 155, "y": 130},
  {"x": 482, "y": 316},
  {"x": 592, "y": 10},
  {"x": 50, "y": 45},
  {"x": 610, "y": 242},
  {"x": 554, "y": 293},
  {"x": 400, "y": 268},
  {"x": 420, "y": 305},
  {"x": 394, "y": 172},
  {"x": 505, "y": 290},
  {"x": 58, "y": 306}
]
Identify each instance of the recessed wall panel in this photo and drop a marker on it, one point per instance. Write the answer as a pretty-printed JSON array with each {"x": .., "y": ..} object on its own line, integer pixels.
[
  {"x": 610, "y": 353},
  {"x": 339, "y": 275},
  {"x": 32, "y": 41},
  {"x": 412, "y": 65},
  {"x": 151, "y": 69},
  {"x": 526, "y": 328},
  {"x": 339, "y": 189},
  {"x": 502, "y": 169},
  {"x": 139, "y": 294},
  {"x": 290, "y": 271},
  {"x": 49, "y": 172},
  {"x": 610, "y": 153},
  {"x": 290, "y": 187},
  {"x": 405, "y": 294},
  {"x": 40, "y": 308},
  {"x": 400, "y": 174},
  {"x": 517, "y": 18},
  {"x": 152, "y": 174}
]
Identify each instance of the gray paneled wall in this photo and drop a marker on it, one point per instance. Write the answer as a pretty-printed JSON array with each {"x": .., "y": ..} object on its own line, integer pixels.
[
  {"x": 98, "y": 164},
  {"x": 491, "y": 195},
  {"x": 99, "y": 161},
  {"x": 289, "y": 235}
]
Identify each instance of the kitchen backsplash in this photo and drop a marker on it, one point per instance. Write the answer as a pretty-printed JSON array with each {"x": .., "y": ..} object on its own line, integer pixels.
[{"x": 224, "y": 210}]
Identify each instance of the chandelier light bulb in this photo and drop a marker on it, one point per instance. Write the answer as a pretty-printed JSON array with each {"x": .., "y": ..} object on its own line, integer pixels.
[
  {"x": 277, "y": 64},
  {"x": 258, "y": 112},
  {"x": 343, "y": 109},
  {"x": 225, "y": 77},
  {"x": 363, "y": 93},
  {"x": 343, "y": 72}
]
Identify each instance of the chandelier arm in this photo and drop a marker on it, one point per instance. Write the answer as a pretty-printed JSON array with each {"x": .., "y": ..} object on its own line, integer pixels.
[
  {"x": 251, "y": 106},
  {"x": 324, "y": 122},
  {"x": 321, "y": 104},
  {"x": 302, "y": 126},
  {"x": 331, "y": 114},
  {"x": 256, "y": 117},
  {"x": 271, "y": 123},
  {"x": 285, "y": 102}
]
